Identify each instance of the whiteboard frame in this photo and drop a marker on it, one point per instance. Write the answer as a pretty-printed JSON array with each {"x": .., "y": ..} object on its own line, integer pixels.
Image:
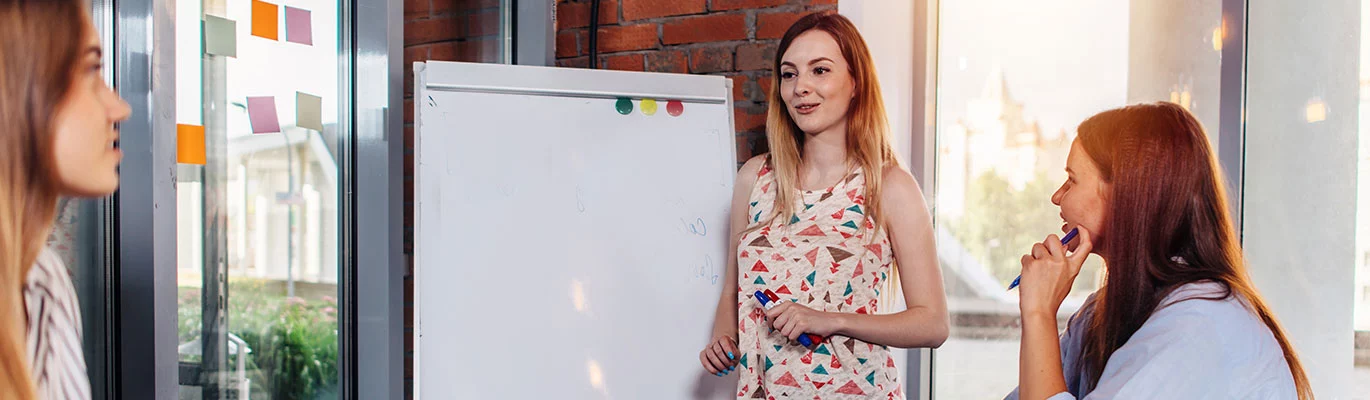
[{"x": 548, "y": 81}]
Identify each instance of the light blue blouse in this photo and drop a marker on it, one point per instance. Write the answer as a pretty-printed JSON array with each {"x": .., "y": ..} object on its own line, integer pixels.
[{"x": 1190, "y": 348}]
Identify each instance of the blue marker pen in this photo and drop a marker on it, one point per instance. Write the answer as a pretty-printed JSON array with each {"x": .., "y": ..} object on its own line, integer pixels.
[
  {"x": 768, "y": 301},
  {"x": 1065, "y": 240}
]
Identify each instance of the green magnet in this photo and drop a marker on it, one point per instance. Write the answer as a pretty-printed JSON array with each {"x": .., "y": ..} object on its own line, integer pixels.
[{"x": 624, "y": 105}]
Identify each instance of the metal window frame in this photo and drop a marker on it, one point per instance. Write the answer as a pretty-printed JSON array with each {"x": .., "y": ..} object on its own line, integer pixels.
[{"x": 143, "y": 337}]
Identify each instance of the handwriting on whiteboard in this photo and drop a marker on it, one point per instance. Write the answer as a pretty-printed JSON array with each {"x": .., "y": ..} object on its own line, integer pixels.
[
  {"x": 705, "y": 270},
  {"x": 695, "y": 227},
  {"x": 580, "y": 202}
]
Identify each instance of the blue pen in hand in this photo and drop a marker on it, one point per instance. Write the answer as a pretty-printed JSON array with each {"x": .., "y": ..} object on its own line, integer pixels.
[
  {"x": 768, "y": 300},
  {"x": 1065, "y": 240}
]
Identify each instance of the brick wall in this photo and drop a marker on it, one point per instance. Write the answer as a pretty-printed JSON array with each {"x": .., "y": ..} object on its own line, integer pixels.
[{"x": 733, "y": 38}]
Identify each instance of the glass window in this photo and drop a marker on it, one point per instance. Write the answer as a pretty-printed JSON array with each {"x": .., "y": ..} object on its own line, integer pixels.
[
  {"x": 258, "y": 223},
  {"x": 1014, "y": 80}
]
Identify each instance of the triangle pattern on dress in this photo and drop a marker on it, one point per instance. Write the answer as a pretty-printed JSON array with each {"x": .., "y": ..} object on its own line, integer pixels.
[
  {"x": 851, "y": 388},
  {"x": 854, "y": 208},
  {"x": 812, "y": 256},
  {"x": 838, "y": 254},
  {"x": 787, "y": 380},
  {"x": 822, "y": 349},
  {"x": 760, "y": 241},
  {"x": 759, "y": 267},
  {"x": 850, "y": 224},
  {"x": 812, "y": 230},
  {"x": 820, "y": 370}
]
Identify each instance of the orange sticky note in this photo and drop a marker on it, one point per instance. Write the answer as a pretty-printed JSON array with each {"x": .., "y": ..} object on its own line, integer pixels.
[
  {"x": 190, "y": 144},
  {"x": 265, "y": 20}
]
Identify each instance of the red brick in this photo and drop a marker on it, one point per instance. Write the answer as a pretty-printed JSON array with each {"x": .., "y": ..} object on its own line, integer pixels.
[
  {"x": 745, "y": 4},
  {"x": 773, "y": 25},
  {"x": 568, "y": 43},
  {"x": 409, "y": 141},
  {"x": 748, "y": 118},
  {"x": 433, "y": 30},
  {"x": 756, "y": 144},
  {"x": 756, "y": 56},
  {"x": 614, "y": 39},
  {"x": 739, "y": 82},
  {"x": 668, "y": 61},
  {"x": 577, "y": 15},
  {"x": 456, "y": 6},
  {"x": 711, "y": 59},
  {"x": 411, "y": 55},
  {"x": 816, "y": 2},
  {"x": 477, "y": 50},
  {"x": 642, "y": 9},
  {"x": 409, "y": 317},
  {"x": 416, "y": 8},
  {"x": 758, "y": 89},
  {"x": 483, "y": 24},
  {"x": 408, "y": 111},
  {"x": 706, "y": 28},
  {"x": 578, "y": 62},
  {"x": 626, "y": 62}
]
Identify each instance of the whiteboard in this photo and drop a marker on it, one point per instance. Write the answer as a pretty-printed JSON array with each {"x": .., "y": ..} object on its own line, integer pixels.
[{"x": 564, "y": 250}]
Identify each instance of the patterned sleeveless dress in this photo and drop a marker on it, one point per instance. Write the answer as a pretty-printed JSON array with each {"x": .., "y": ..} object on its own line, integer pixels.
[{"x": 820, "y": 258}]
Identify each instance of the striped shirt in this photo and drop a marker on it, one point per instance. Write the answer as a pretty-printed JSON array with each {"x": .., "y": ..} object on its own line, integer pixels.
[{"x": 56, "y": 361}]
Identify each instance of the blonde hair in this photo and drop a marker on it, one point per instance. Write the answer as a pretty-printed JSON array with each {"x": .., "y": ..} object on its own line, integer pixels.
[
  {"x": 868, "y": 132},
  {"x": 41, "y": 40}
]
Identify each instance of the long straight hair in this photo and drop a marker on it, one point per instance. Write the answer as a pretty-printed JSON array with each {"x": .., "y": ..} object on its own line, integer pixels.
[
  {"x": 39, "y": 48},
  {"x": 1167, "y": 200},
  {"x": 868, "y": 132}
]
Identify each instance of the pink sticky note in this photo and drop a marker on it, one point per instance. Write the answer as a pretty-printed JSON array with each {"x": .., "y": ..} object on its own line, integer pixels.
[
  {"x": 298, "y": 26},
  {"x": 261, "y": 111}
]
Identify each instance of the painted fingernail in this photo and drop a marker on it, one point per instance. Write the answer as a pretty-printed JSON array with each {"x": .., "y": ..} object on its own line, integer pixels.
[
  {"x": 730, "y": 355},
  {"x": 719, "y": 374}
]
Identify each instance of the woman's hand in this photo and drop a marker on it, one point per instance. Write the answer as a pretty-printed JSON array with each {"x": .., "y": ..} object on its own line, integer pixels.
[
  {"x": 1049, "y": 273},
  {"x": 794, "y": 320},
  {"x": 720, "y": 356}
]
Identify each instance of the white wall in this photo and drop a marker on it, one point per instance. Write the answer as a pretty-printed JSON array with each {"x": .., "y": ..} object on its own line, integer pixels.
[
  {"x": 887, "y": 27},
  {"x": 1299, "y": 201}
]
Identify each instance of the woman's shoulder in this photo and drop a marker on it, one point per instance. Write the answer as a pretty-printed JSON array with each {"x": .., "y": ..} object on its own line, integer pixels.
[
  {"x": 753, "y": 169},
  {"x": 1208, "y": 307},
  {"x": 48, "y": 266}
]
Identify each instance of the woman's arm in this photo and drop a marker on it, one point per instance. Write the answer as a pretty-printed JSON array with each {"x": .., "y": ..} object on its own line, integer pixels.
[
  {"x": 924, "y": 323},
  {"x": 1048, "y": 274},
  {"x": 720, "y": 354}
]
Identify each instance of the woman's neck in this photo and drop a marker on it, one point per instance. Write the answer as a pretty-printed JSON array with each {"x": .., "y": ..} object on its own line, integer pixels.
[{"x": 825, "y": 152}]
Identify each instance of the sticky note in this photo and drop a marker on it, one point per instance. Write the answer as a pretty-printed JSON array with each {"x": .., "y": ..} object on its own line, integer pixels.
[
  {"x": 221, "y": 36},
  {"x": 298, "y": 26},
  {"x": 308, "y": 111},
  {"x": 265, "y": 20},
  {"x": 261, "y": 112},
  {"x": 190, "y": 144}
]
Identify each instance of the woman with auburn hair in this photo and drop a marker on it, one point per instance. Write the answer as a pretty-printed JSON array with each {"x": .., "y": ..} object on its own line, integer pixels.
[
  {"x": 57, "y": 138},
  {"x": 827, "y": 222},
  {"x": 1178, "y": 316}
]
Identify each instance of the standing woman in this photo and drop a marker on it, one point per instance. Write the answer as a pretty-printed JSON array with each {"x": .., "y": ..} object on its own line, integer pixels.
[
  {"x": 826, "y": 221},
  {"x": 57, "y": 138}
]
